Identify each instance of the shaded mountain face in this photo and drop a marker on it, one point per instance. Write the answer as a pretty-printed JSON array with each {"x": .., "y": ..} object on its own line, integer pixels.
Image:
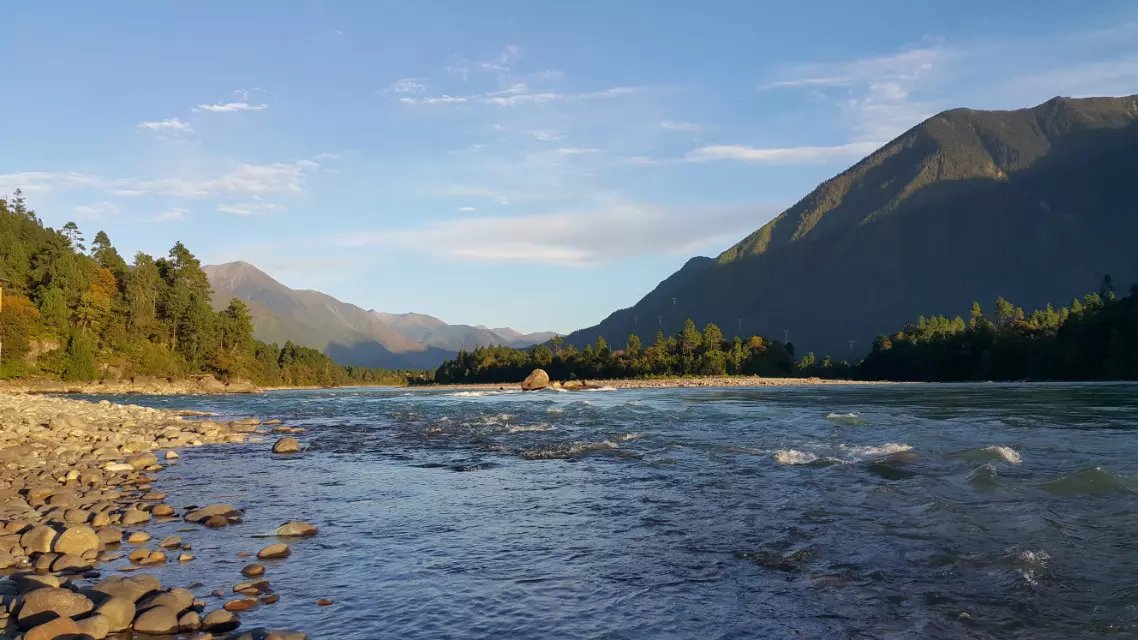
[
  {"x": 1035, "y": 205},
  {"x": 347, "y": 333}
]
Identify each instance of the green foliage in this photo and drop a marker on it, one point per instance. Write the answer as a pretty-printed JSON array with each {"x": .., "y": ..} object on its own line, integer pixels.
[
  {"x": 1092, "y": 339},
  {"x": 688, "y": 353},
  {"x": 153, "y": 318}
]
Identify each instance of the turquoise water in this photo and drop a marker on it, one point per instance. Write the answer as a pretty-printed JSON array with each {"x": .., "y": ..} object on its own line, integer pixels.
[{"x": 909, "y": 511}]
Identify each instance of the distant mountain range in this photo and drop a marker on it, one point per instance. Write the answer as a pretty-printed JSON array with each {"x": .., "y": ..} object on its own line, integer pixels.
[
  {"x": 348, "y": 333},
  {"x": 1035, "y": 205}
]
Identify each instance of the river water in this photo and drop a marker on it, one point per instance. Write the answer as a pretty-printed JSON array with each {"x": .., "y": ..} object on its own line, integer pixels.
[{"x": 907, "y": 511}]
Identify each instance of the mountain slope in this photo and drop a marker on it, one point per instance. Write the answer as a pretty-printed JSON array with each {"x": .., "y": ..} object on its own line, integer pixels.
[
  {"x": 1035, "y": 205},
  {"x": 347, "y": 333}
]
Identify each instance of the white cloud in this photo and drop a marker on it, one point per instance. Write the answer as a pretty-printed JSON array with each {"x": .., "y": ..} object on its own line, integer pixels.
[
  {"x": 576, "y": 151},
  {"x": 240, "y": 179},
  {"x": 171, "y": 126},
  {"x": 443, "y": 99},
  {"x": 786, "y": 155},
  {"x": 230, "y": 107},
  {"x": 675, "y": 125},
  {"x": 467, "y": 209},
  {"x": 547, "y": 135},
  {"x": 247, "y": 208},
  {"x": 408, "y": 85},
  {"x": 96, "y": 210},
  {"x": 581, "y": 238},
  {"x": 170, "y": 215}
]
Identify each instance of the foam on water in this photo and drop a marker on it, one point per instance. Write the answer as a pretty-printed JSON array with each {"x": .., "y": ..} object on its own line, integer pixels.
[
  {"x": 875, "y": 451},
  {"x": 479, "y": 394},
  {"x": 995, "y": 452},
  {"x": 1008, "y": 454},
  {"x": 794, "y": 457},
  {"x": 526, "y": 428},
  {"x": 568, "y": 450},
  {"x": 1031, "y": 565}
]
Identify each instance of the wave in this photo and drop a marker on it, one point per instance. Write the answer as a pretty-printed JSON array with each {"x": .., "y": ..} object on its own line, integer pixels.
[
  {"x": 1087, "y": 482},
  {"x": 889, "y": 448},
  {"x": 604, "y": 388},
  {"x": 479, "y": 394},
  {"x": 984, "y": 476},
  {"x": 990, "y": 453},
  {"x": 526, "y": 428},
  {"x": 794, "y": 457},
  {"x": 1031, "y": 564},
  {"x": 568, "y": 450},
  {"x": 851, "y": 417}
]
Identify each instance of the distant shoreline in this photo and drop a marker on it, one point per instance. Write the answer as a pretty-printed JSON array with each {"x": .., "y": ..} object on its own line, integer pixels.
[{"x": 680, "y": 382}]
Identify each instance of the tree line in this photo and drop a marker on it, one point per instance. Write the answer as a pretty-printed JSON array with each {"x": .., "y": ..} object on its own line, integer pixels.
[
  {"x": 1093, "y": 338},
  {"x": 690, "y": 352},
  {"x": 78, "y": 311}
]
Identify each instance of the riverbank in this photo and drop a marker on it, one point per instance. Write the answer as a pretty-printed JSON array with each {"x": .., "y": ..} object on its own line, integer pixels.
[
  {"x": 78, "y": 489},
  {"x": 663, "y": 383}
]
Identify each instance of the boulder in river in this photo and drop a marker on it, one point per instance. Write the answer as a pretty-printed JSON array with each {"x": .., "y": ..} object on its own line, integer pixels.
[
  {"x": 278, "y": 550},
  {"x": 296, "y": 530},
  {"x": 537, "y": 379},
  {"x": 286, "y": 445}
]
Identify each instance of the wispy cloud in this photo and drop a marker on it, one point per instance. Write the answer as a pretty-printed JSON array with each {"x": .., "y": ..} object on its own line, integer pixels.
[
  {"x": 247, "y": 208},
  {"x": 443, "y": 99},
  {"x": 576, "y": 151},
  {"x": 240, "y": 179},
  {"x": 676, "y": 125},
  {"x": 96, "y": 210},
  {"x": 230, "y": 107},
  {"x": 467, "y": 209},
  {"x": 575, "y": 239},
  {"x": 176, "y": 214},
  {"x": 547, "y": 135},
  {"x": 170, "y": 126},
  {"x": 785, "y": 155},
  {"x": 408, "y": 85}
]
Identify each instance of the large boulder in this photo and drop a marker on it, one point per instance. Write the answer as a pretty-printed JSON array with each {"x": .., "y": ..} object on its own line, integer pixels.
[
  {"x": 229, "y": 512},
  {"x": 286, "y": 445},
  {"x": 537, "y": 379},
  {"x": 55, "y": 629},
  {"x": 157, "y": 621},
  {"x": 44, "y": 605},
  {"x": 296, "y": 530},
  {"x": 77, "y": 541}
]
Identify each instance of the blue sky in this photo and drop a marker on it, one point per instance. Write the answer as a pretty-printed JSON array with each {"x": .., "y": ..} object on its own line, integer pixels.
[{"x": 532, "y": 164}]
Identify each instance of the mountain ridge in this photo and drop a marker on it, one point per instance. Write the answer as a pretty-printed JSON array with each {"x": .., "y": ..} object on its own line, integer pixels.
[
  {"x": 1034, "y": 204},
  {"x": 348, "y": 333}
]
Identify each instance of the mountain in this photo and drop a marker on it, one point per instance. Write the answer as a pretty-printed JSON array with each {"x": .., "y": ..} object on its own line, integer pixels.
[
  {"x": 1035, "y": 205},
  {"x": 347, "y": 333},
  {"x": 431, "y": 331}
]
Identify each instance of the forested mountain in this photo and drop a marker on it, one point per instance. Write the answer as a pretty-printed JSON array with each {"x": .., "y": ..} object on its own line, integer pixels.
[
  {"x": 348, "y": 333},
  {"x": 345, "y": 332},
  {"x": 79, "y": 312},
  {"x": 1035, "y": 205}
]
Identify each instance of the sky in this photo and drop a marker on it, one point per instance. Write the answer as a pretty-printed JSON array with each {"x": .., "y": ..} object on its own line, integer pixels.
[{"x": 527, "y": 164}]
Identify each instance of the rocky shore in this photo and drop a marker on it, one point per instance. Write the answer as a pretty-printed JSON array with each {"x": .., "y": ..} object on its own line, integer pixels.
[
  {"x": 77, "y": 492},
  {"x": 148, "y": 385}
]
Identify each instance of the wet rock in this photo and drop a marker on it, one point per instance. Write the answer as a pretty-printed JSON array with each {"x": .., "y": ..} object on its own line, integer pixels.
[
  {"x": 296, "y": 530},
  {"x": 229, "y": 512},
  {"x": 133, "y": 517},
  {"x": 253, "y": 570},
  {"x": 240, "y": 604},
  {"x": 190, "y": 621},
  {"x": 131, "y": 588},
  {"x": 278, "y": 550},
  {"x": 41, "y": 605},
  {"x": 162, "y": 510},
  {"x": 325, "y": 602},
  {"x": 170, "y": 542},
  {"x": 251, "y": 587},
  {"x": 537, "y": 379},
  {"x": 220, "y": 620},
  {"x": 157, "y": 621},
  {"x": 286, "y": 445}
]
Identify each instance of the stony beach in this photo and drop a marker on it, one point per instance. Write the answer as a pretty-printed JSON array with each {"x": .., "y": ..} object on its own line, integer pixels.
[{"x": 79, "y": 485}]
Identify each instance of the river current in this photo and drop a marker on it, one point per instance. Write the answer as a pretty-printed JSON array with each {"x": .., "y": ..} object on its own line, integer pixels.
[{"x": 893, "y": 511}]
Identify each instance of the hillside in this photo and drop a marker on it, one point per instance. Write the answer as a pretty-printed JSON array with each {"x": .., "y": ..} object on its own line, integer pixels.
[
  {"x": 350, "y": 334},
  {"x": 1035, "y": 205},
  {"x": 433, "y": 332},
  {"x": 347, "y": 333}
]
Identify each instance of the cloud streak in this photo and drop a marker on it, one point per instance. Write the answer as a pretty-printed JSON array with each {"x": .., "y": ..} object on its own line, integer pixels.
[
  {"x": 170, "y": 126},
  {"x": 231, "y": 107},
  {"x": 574, "y": 239}
]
